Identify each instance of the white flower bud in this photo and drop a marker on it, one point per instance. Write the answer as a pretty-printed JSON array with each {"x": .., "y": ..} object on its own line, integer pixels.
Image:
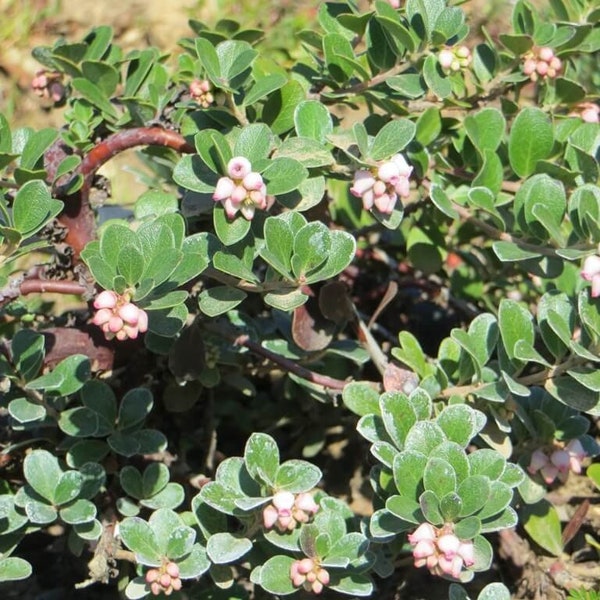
[{"x": 238, "y": 167}]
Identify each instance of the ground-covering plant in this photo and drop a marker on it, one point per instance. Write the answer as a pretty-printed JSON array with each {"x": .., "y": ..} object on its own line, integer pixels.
[{"x": 286, "y": 205}]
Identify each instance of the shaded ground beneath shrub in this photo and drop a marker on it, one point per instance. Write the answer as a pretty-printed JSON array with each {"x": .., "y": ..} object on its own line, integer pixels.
[{"x": 529, "y": 573}]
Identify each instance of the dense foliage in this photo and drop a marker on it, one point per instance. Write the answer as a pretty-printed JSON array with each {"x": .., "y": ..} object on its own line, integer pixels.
[{"x": 255, "y": 287}]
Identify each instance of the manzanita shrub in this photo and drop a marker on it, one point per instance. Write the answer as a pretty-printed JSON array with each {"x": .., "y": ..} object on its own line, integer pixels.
[{"x": 397, "y": 146}]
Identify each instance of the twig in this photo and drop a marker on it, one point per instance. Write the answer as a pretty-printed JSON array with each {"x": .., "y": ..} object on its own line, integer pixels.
[
  {"x": 495, "y": 233},
  {"x": 239, "y": 114},
  {"x": 363, "y": 86},
  {"x": 289, "y": 365},
  {"x": 50, "y": 286},
  {"x": 539, "y": 378},
  {"x": 39, "y": 286},
  {"x": 285, "y": 363}
]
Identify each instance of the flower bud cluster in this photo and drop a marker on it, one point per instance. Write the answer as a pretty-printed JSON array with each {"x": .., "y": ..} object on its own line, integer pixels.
[
  {"x": 440, "y": 550},
  {"x": 589, "y": 112},
  {"x": 287, "y": 510},
  {"x": 165, "y": 580},
  {"x": 454, "y": 59},
  {"x": 541, "y": 62},
  {"x": 394, "y": 3},
  {"x": 118, "y": 317},
  {"x": 48, "y": 85},
  {"x": 381, "y": 186},
  {"x": 557, "y": 462},
  {"x": 242, "y": 190},
  {"x": 200, "y": 91},
  {"x": 591, "y": 272},
  {"x": 307, "y": 573}
]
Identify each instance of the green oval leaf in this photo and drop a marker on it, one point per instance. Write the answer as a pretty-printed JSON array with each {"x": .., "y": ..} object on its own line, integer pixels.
[
  {"x": 531, "y": 139},
  {"x": 542, "y": 523}
]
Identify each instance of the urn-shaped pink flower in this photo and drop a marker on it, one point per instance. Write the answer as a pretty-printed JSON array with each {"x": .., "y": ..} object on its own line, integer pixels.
[
  {"x": 242, "y": 189},
  {"x": 381, "y": 186},
  {"x": 591, "y": 272},
  {"x": 200, "y": 91},
  {"x": 307, "y": 573},
  {"x": 164, "y": 580},
  {"x": 541, "y": 63},
  {"x": 440, "y": 550},
  {"x": 558, "y": 461},
  {"x": 118, "y": 317},
  {"x": 286, "y": 510}
]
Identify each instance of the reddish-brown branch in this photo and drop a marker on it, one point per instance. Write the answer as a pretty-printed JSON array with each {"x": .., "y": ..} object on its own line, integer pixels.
[
  {"x": 284, "y": 363},
  {"x": 50, "y": 286},
  {"x": 38, "y": 286},
  {"x": 131, "y": 138},
  {"x": 290, "y": 365},
  {"x": 78, "y": 215}
]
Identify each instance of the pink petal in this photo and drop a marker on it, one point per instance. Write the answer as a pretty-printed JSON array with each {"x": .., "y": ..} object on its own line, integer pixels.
[
  {"x": 363, "y": 181},
  {"x": 270, "y": 516},
  {"x": 538, "y": 461},
  {"x": 403, "y": 167},
  {"x": 102, "y": 316},
  {"x": 230, "y": 207},
  {"x": 386, "y": 203},
  {"x": 142, "y": 323},
  {"x": 248, "y": 211},
  {"x": 425, "y": 531},
  {"x": 306, "y": 502},
  {"x": 549, "y": 473},
  {"x": 379, "y": 189},
  {"x": 560, "y": 459},
  {"x": 253, "y": 181},
  {"x": 467, "y": 553},
  {"x": 129, "y": 313},
  {"x": 106, "y": 299},
  {"x": 591, "y": 267},
  {"x": 575, "y": 448},
  {"x": 596, "y": 286},
  {"x": 388, "y": 172},
  {"x": 224, "y": 189},
  {"x": 368, "y": 198},
  {"x": 448, "y": 544},
  {"x": 115, "y": 324},
  {"x": 238, "y": 167},
  {"x": 306, "y": 565},
  {"x": 423, "y": 549},
  {"x": 323, "y": 576}
]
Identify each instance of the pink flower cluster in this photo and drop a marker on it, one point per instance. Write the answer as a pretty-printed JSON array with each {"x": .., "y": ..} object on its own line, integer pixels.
[
  {"x": 48, "y": 85},
  {"x": 165, "y": 580},
  {"x": 200, "y": 91},
  {"x": 455, "y": 58},
  {"x": 307, "y": 573},
  {"x": 118, "y": 317},
  {"x": 589, "y": 112},
  {"x": 440, "y": 550},
  {"x": 591, "y": 272},
  {"x": 541, "y": 62},
  {"x": 287, "y": 510},
  {"x": 381, "y": 186},
  {"x": 558, "y": 462},
  {"x": 242, "y": 190}
]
